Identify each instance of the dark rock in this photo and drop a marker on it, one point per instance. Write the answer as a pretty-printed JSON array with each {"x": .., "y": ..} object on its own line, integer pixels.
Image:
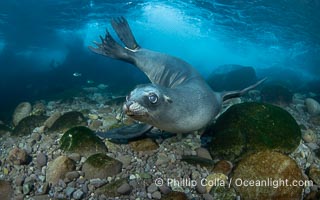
[
  {"x": 6, "y": 191},
  {"x": 175, "y": 196},
  {"x": 78, "y": 194},
  {"x": 268, "y": 165},
  {"x": 252, "y": 127},
  {"x": 207, "y": 196},
  {"x": 164, "y": 189},
  {"x": 200, "y": 188},
  {"x": 41, "y": 159},
  {"x": 58, "y": 168},
  {"x": 68, "y": 120},
  {"x": 276, "y": 94},
  {"x": 4, "y": 129},
  {"x": 72, "y": 175},
  {"x": 27, "y": 124},
  {"x": 152, "y": 188},
  {"x": 101, "y": 166},
  {"x": 83, "y": 141},
  {"x": 69, "y": 191},
  {"x": 156, "y": 195},
  {"x": 235, "y": 79},
  {"x": 110, "y": 190},
  {"x": 18, "y": 156},
  {"x": 124, "y": 189}
]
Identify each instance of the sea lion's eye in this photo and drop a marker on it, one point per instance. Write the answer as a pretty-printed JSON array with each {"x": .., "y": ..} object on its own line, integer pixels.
[{"x": 153, "y": 98}]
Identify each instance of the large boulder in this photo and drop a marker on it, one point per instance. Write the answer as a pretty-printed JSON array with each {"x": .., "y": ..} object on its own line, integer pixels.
[
  {"x": 68, "y": 120},
  {"x": 313, "y": 107},
  {"x": 27, "y": 124},
  {"x": 83, "y": 141},
  {"x": 22, "y": 110},
  {"x": 263, "y": 176},
  {"x": 251, "y": 127},
  {"x": 276, "y": 94},
  {"x": 58, "y": 168},
  {"x": 101, "y": 166},
  {"x": 235, "y": 79}
]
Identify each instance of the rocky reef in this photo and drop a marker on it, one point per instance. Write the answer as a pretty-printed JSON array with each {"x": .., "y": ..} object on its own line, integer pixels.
[{"x": 52, "y": 152}]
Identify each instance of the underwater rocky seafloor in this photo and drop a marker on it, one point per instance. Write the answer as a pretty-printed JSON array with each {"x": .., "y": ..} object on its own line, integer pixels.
[{"x": 50, "y": 151}]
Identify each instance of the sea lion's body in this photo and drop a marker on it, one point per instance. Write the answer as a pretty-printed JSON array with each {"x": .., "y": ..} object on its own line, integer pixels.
[
  {"x": 178, "y": 99},
  {"x": 193, "y": 105}
]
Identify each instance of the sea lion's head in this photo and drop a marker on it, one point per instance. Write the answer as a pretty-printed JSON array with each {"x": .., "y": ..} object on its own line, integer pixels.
[{"x": 145, "y": 103}]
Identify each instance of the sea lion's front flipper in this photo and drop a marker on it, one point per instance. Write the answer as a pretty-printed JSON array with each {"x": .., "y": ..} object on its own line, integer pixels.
[
  {"x": 126, "y": 132},
  {"x": 233, "y": 94}
]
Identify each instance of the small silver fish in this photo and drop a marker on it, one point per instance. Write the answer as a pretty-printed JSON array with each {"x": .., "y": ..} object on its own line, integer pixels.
[
  {"x": 77, "y": 74},
  {"x": 90, "y": 81}
]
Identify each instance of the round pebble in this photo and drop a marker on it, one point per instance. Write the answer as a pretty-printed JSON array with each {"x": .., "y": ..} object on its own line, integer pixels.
[
  {"x": 156, "y": 195},
  {"x": 152, "y": 188},
  {"x": 124, "y": 189},
  {"x": 77, "y": 194},
  {"x": 41, "y": 160}
]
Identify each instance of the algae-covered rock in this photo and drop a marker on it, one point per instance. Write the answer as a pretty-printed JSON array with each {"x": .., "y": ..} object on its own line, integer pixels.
[
  {"x": 175, "y": 196},
  {"x": 101, "y": 166},
  {"x": 251, "y": 127},
  {"x": 223, "y": 192},
  {"x": 27, "y": 124},
  {"x": 22, "y": 110},
  {"x": 83, "y": 141},
  {"x": 276, "y": 94},
  {"x": 265, "y": 170},
  {"x": 68, "y": 120}
]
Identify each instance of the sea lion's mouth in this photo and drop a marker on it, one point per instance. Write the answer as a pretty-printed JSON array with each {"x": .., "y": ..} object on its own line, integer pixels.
[{"x": 134, "y": 109}]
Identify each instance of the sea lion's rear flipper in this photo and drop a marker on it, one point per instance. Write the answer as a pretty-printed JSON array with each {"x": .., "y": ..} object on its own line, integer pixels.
[
  {"x": 233, "y": 94},
  {"x": 122, "y": 28},
  {"x": 110, "y": 48},
  {"x": 126, "y": 132}
]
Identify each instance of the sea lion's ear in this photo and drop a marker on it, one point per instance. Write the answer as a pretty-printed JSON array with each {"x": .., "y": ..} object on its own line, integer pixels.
[{"x": 167, "y": 99}]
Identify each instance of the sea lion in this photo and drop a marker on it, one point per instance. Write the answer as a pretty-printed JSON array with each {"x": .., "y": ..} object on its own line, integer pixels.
[{"x": 178, "y": 100}]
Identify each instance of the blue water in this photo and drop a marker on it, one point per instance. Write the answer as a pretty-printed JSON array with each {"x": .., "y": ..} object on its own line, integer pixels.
[{"x": 42, "y": 43}]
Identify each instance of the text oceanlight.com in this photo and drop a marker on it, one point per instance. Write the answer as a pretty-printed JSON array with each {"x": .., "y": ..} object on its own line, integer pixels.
[{"x": 238, "y": 182}]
